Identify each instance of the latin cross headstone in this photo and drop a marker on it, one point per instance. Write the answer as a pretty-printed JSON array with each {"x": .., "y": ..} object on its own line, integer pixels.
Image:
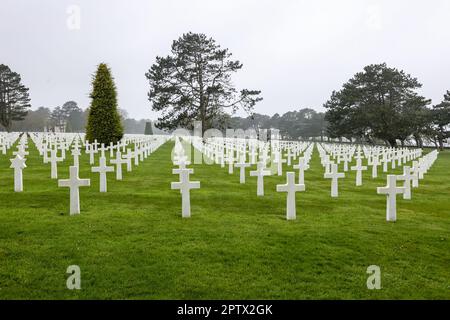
[
  {"x": 102, "y": 169},
  {"x": 291, "y": 188},
  {"x": 301, "y": 166},
  {"x": 260, "y": 173},
  {"x": 242, "y": 165},
  {"x": 54, "y": 159},
  {"x": 407, "y": 177},
  {"x": 334, "y": 175},
  {"x": 118, "y": 161},
  {"x": 76, "y": 154},
  {"x": 391, "y": 191},
  {"x": 359, "y": 169},
  {"x": 184, "y": 185},
  {"x": 74, "y": 183}
]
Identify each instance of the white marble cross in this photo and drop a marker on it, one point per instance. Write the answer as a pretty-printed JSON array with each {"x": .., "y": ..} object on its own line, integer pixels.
[
  {"x": 279, "y": 161},
  {"x": 359, "y": 169},
  {"x": 54, "y": 159},
  {"x": 253, "y": 155},
  {"x": 18, "y": 163},
  {"x": 407, "y": 177},
  {"x": 291, "y": 188},
  {"x": 334, "y": 175},
  {"x": 102, "y": 169},
  {"x": 260, "y": 173},
  {"x": 74, "y": 183},
  {"x": 128, "y": 158},
  {"x": 301, "y": 166},
  {"x": 375, "y": 164},
  {"x": 242, "y": 165},
  {"x": 102, "y": 150},
  {"x": 184, "y": 185},
  {"x": 230, "y": 161},
  {"x": 346, "y": 160},
  {"x": 118, "y": 161},
  {"x": 391, "y": 191},
  {"x": 91, "y": 151},
  {"x": 111, "y": 149},
  {"x": 289, "y": 156},
  {"x": 415, "y": 171},
  {"x": 21, "y": 151},
  {"x": 76, "y": 154}
]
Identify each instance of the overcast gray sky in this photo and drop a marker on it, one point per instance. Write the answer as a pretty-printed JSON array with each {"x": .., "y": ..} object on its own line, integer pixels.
[{"x": 295, "y": 52}]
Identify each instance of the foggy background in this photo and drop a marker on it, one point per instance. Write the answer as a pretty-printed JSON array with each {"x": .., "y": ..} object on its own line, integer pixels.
[{"x": 295, "y": 52}]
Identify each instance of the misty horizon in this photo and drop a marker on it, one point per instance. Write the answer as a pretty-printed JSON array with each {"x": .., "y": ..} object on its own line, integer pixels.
[{"x": 296, "y": 53}]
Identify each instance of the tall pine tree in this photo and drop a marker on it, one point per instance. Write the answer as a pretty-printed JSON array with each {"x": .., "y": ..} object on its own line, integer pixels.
[
  {"x": 14, "y": 98},
  {"x": 104, "y": 124},
  {"x": 441, "y": 120}
]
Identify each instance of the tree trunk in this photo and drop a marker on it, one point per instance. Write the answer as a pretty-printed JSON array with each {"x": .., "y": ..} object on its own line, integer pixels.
[
  {"x": 417, "y": 139},
  {"x": 392, "y": 142},
  {"x": 441, "y": 144}
]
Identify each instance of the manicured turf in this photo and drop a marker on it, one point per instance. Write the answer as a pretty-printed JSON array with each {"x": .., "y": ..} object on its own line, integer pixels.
[{"x": 131, "y": 243}]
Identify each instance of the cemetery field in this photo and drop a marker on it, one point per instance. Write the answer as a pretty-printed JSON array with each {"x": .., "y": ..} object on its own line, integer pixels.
[{"x": 131, "y": 242}]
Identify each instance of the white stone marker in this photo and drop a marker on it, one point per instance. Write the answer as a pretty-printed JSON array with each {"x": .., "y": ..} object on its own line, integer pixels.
[
  {"x": 334, "y": 175},
  {"x": 242, "y": 165},
  {"x": 184, "y": 185},
  {"x": 128, "y": 158},
  {"x": 415, "y": 171},
  {"x": 118, "y": 161},
  {"x": 260, "y": 173},
  {"x": 91, "y": 151},
  {"x": 291, "y": 188},
  {"x": 375, "y": 164},
  {"x": 180, "y": 170},
  {"x": 301, "y": 166},
  {"x": 230, "y": 161},
  {"x": 54, "y": 163},
  {"x": 279, "y": 161},
  {"x": 76, "y": 154},
  {"x": 102, "y": 169},
  {"x": 407, "y": 177},
  {"x": 18, "y": 163},
  {"x": 391, "y": 191},
  {"x": 74, "y": 183},
  {"x": 359, "y": 169}
]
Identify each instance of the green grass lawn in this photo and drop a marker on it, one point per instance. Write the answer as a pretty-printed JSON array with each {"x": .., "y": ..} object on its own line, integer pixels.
[{"x": 131, "y": 243}]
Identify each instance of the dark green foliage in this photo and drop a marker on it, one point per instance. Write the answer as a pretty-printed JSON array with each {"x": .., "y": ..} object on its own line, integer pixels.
[
  {"x": 104, "y": 124},
  {"x": 148, "y": 128},
  {"x": 14, "y": 97},
  {"x": 441, "y": 120},
  {"x": 34, "y": 120},
  {"x": 57, "y": 120},
  {"x": 194, "y": 83},
  {"x": 304, "y": 123},
  {"x": 378, "y": 103}
]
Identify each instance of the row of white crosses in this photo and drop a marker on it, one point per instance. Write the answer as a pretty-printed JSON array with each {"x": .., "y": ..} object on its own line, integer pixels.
[
  {"x": 61, "y": 142},
  {"x": 346, "y": 153},
  {"x": 184, "y": 185},
  {"x": 397, "y": 157},
  {"x": 235, "y": 152},
  {"x": 219, "y": 149},
  {"x": 7, "y": 140},
  {"x": 409, "y": 176}
]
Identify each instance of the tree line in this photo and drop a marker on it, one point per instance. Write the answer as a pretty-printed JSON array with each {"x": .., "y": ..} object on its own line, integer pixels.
[
  {"x": 194, "y": 82},
  {"x": 302, "y": 124},
  {"x": 382, "y": 104}
]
